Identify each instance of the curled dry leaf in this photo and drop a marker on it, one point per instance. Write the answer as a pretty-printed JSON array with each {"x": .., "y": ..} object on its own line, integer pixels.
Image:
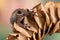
[
  {"x": 57, "y": 26},
  {"x": 47, "y": 17},
  {"x": 12, "y": 36},
  {"x": 38, "y": 20},
  {"x": 16, "y": 36},
  {"x": 21, "y": 30},
  {"x": 59, "y": 12},
  {"x": 34, "y": 36},
  {"x": 52, "y": 13},
  {"x": 39, "y": 34},
  {"x": 46, "y": 22},
  {"x": 31, "y": 28},
  {"x": 44, "y": 31},
  {"x": 58, "y": 31}
]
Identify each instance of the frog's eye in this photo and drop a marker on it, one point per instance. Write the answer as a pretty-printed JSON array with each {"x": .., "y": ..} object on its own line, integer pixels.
[{"x": 19, "y": 12}]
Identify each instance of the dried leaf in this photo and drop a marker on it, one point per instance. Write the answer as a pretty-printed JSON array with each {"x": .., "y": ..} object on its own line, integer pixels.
[{"x": 21, "y": 30}]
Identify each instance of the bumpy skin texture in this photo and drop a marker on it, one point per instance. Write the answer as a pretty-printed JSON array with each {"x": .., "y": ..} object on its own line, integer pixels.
[{"x": 18, "y": 17}]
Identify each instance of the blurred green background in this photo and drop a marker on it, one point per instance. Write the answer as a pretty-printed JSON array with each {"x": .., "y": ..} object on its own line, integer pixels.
[{"x": 6, "y": 9}]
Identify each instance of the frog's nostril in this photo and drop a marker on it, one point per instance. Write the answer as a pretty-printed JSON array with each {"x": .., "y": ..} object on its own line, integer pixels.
[
  {"x": 19, "y": 12},
  {"x": 27, "y": 10}
]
